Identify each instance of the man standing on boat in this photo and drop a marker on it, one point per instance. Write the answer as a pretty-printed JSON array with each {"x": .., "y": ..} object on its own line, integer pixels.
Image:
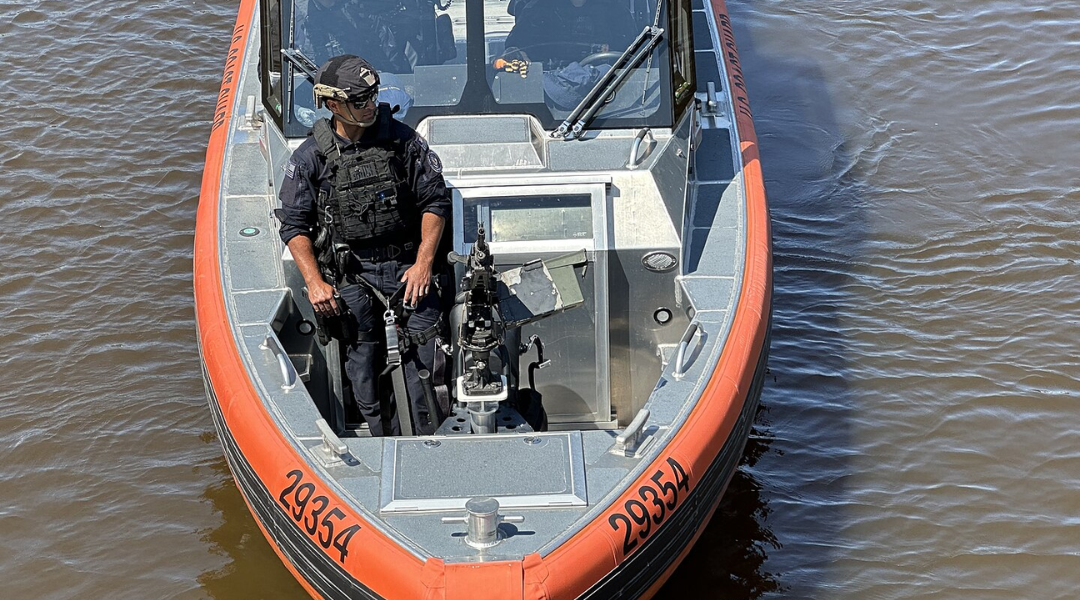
[{"x": 363, "y": 205}]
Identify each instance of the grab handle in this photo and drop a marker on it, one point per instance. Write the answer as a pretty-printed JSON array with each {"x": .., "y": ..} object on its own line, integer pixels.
[
  {"x": 288, "y": 370},
  {"x": 635, "y": 160},
  {"x": 681, "y": 363},
  {"x": 628, "y": 441}
]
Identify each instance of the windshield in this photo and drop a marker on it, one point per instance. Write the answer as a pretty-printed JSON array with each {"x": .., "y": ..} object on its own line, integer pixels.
[{"x": 539, "y": 57}]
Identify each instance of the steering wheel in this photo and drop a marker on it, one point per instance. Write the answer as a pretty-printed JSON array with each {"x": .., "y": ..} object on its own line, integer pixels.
[{"x": 600, "y": 57}]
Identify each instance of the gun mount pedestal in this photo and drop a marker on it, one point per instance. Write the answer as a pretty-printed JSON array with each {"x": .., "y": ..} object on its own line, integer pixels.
[
  {"x": 489, "y": 310},
  {"x": 482, "y": 407}
]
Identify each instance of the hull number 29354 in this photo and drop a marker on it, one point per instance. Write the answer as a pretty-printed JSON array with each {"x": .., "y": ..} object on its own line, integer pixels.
[
  {"x": 309, "y": 511},
  {"x": 645, "y": 514}
]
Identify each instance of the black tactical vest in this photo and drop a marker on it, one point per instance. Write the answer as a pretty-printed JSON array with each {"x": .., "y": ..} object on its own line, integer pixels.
[
  {"x": 363, "y": 204},
  {"x": 578, "y": 26}
]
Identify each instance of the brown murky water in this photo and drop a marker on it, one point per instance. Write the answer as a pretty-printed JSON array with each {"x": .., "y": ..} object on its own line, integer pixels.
[{"x": 919, "y": 436}]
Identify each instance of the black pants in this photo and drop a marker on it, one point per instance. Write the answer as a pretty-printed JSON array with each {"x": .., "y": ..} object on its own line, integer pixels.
[{"x": 364, "y": 360}]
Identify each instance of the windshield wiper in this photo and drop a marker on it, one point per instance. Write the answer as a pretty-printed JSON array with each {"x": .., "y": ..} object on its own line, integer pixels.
[
  {"x": 302, "y": 62},
  {"x": 636, "y": 52}
]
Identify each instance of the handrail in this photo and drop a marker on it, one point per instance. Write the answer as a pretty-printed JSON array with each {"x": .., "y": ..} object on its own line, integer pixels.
[
  {"x": 288, "y": 370},
  {"x": 684, "y": 343},
  {"x": 634, "y": 161}
]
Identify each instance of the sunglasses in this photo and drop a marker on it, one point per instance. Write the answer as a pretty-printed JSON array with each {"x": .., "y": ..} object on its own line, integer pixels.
[{"x": 359, "y": 101}]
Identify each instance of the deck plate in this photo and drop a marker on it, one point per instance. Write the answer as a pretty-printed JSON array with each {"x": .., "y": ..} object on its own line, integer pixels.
[{"x": 539, "y": 470}]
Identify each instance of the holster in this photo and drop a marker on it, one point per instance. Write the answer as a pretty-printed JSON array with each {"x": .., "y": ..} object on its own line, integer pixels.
[
  {"x": 329, "y": 256},
  {"x": 340, "y": 327}
]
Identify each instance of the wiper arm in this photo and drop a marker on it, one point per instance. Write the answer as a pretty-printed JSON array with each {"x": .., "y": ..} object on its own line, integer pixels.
[
  {"x": 636, "y": 52},
  {"x": 302, "y": 62}
]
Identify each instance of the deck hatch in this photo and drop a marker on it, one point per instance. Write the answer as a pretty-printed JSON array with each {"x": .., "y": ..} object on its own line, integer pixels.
[{"x": 442, "y": 473}]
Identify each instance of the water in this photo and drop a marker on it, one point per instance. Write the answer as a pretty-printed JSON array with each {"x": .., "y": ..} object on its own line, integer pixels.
[{"x": 917, "y": 437}]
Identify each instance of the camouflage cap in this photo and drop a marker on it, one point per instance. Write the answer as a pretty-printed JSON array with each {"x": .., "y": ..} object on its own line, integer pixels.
[{"x": 344, "y": 77}]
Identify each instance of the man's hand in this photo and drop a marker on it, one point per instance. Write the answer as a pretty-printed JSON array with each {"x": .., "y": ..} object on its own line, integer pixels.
[
  {"x": 321, "y": 295},
  {"x": 417, "y": 280}
]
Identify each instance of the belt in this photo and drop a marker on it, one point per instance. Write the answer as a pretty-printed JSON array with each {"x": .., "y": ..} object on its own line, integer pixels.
[{"x": 385, "y": 253}]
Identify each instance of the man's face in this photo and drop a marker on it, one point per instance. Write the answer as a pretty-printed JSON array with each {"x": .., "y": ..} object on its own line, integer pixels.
[{"x": 358, "y": 110}]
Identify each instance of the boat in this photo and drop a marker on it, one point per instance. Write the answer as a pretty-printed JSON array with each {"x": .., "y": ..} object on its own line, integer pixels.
[{"x": 628, "y": 182}]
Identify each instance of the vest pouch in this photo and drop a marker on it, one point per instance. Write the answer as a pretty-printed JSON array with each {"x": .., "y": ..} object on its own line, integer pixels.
[{"x": 364, "y": 203}]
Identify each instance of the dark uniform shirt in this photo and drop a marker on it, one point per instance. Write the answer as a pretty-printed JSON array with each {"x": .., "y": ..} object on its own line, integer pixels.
[
  {"x": 350, "y": 29},
  {"x": 559, "y": 32},
  {"x": 307, "y": 172}
]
